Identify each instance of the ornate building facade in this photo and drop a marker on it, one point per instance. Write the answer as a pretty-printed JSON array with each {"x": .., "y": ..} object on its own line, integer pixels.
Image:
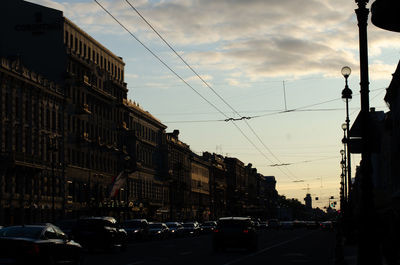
[{"x": 68, "y": 129}]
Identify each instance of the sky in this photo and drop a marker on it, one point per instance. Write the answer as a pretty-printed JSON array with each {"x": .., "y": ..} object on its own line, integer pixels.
[{"x": 256, "y": 59}]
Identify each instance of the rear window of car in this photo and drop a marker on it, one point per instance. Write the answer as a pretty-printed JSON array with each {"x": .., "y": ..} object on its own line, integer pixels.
[
  {"x": 155, "y": 225},
  {"x": 23, "y": 232},
  {"x": 234, "y": 223}
]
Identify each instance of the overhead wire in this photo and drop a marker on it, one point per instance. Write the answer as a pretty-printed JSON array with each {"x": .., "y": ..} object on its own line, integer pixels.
[
  {"x": 176, "y": 74},
  {"x": 215, "y": 92}
]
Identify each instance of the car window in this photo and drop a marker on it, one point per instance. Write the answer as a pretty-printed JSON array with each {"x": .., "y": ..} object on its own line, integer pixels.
[
  {"x": 234, "y": 223},
  {"x": 59, "y": 232},
  {"x": 50, "y": 233},
  {"x": 155, "y": 225},
  {"x": 21, "y": 231}
]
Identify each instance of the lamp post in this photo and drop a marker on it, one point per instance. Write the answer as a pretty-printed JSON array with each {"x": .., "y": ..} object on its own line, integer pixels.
[
  {"x": 346, "y": 155},
  {"x": 368, "y": 245},
  {"x": 347, "y": 96},
  {"x": 343, "y": 178}
]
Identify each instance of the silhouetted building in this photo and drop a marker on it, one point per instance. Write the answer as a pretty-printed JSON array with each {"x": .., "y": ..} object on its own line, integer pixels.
[
  {"x": 177, "y": 164},
  {"x": 237, "y": 184},
  {"x": 200, "y": 186},
  {"x": 218, "y": 185},
  {"x": 67, "y": 128},
  {"x": 308, "y": 201}
]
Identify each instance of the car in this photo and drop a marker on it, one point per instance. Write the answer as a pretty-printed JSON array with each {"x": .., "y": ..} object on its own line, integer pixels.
[
  {"x": 100, "y": 232},
  {"x": 67, "y": 226},
  {"x": 158, "y": 230},
  {"x": 327, "y": 225},
  {"x": 287, "y": 225},
  {"x": 137, "y": 229},
  {"x": 256, "y": 222},
  {"x": 175, "y": 229},
  {"x": 38, "y": 244},
  {"x": 312, "y": 224},
  {"x": 191, "y": 228},
  {"x": 208, "y": 226},
  {"x": 263, "y": 225},
  {"x": 235, "y": 232},
  {"x": 273, "y": 224},
  {"x": 299, "y": 224}
]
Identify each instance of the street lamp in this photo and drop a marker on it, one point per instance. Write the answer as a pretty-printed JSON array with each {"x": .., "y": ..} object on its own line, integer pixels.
[
  {"x": 347, "y": 96},
  {"x": 346, "y": 156},
  {"x": 368, "y": 247},
  {"x": 342, "y": 179}
]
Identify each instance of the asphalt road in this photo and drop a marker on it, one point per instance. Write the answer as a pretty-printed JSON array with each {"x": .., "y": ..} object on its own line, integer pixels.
[{"x": 299, "y": 246}]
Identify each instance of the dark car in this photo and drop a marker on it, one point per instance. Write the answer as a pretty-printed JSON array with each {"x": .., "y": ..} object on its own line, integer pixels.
[
  {"x": 100, "y": 233},
  {"x": 312, "y": 224},
  {"x": 158, "y": 230},
  {"x": 38, "y": 244},
  {"x": 273, "y": 224},
  {"x": 191, "y": 228},
  {"x": 67, "y": 226},
  {"x": 175, "y": 229},
  {"x": 208, "y": 226},
  {"x": 137, "y": 229},
  {"x": 235, "y": 232},
  {"x": 327, "y": 225}
]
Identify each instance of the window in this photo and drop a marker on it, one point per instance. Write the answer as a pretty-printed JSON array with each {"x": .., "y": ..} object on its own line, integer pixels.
[
  {"x": 47, "y": 119},
  {"x": 66, "y": 38}
]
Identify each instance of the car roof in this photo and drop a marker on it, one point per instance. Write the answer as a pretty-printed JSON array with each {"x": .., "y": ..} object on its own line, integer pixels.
[
  {"x": 108, "y": 218},
  {"x": 234, "y": 218}
]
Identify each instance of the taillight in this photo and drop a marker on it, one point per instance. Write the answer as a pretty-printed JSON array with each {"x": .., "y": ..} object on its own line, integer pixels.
[
  {"x": 216, "y": 230},
  {"x": 32, "y": 249},
  {"x": 246, "y": 231}
]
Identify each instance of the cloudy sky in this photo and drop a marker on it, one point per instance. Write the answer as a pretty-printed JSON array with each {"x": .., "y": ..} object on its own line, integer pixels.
[{"x": 256, "y": 59}]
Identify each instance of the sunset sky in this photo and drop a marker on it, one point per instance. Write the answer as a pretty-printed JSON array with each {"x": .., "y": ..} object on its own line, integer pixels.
[{"x": 254, "y": 54}]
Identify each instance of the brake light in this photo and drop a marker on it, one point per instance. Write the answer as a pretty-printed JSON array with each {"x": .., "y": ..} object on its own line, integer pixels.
[
  {"x": 33, "y": 249},
  {"x": 246, "y": 231},
  {"x": 216, "y": 230}
]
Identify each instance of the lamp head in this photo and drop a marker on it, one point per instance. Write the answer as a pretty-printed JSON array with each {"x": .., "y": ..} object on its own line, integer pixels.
[
  {"x": 346, "y": 71},
  {"x": 344, "y": 126}
]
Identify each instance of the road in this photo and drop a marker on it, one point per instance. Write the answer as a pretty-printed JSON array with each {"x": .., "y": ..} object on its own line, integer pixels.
[{"x": 299, "y": 246}]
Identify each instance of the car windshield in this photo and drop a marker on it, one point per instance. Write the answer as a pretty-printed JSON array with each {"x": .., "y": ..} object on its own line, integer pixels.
[
  {"x": 234, "y": 223},
  {"x": 188, "y": 225},
  {"x": 159, "y": 226},
  {"x": 172, "y": 224},
  {"x": 32, "y": 232}
]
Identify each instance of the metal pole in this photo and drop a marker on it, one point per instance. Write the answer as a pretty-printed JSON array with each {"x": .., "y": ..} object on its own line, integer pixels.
[
  {"x": 348, "y": 155},
  {"x": 368, "y": 241}
]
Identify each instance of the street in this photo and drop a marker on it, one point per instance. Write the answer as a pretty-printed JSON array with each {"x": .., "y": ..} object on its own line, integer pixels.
[{"x": 299, "y": 246}]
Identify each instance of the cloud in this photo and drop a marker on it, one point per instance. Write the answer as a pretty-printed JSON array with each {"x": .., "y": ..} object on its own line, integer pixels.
[{"x": 259, "y": 38}]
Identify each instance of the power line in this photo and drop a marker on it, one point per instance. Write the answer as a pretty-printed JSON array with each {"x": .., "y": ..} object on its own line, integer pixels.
[
  {"x": 160, "y": 60},
  {"x": 219, "y": 96}
]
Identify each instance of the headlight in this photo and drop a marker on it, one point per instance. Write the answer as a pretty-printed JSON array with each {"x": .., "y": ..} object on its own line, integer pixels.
[
  {"x": 158, "y": 232},
  {"x": 136, "y": 231}
]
